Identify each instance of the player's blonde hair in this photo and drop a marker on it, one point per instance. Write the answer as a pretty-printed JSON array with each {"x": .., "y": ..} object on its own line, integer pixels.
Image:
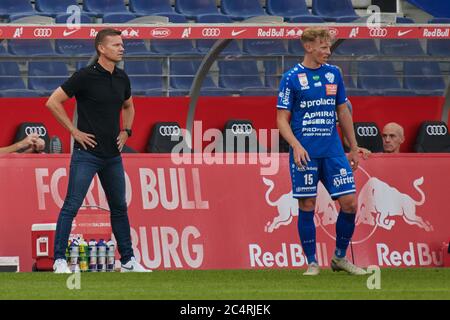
[{"x": 311, "y": 34}]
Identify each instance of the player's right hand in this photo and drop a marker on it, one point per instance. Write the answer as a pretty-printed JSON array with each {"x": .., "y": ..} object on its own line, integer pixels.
[
  {"x": 85, "y": 139},
  {"x": 301, "y": 156}
]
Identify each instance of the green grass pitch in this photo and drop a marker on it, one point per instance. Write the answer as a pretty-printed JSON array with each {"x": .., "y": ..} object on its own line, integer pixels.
[{"x": 418, "y": 283}]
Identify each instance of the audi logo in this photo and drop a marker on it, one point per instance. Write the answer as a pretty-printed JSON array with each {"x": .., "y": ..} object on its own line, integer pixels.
[
  {"x": 378, "y": 32},
  {"x": 437, "y": 130},
  {"x": 166, "y": 131},
  {"x": 41, "y": 131},
  {"x": 241, "y": 128},
  {"x": 367, "y": 131},
  {"x": 42, "y": 32},
  {"x": 211, "y": 32}
]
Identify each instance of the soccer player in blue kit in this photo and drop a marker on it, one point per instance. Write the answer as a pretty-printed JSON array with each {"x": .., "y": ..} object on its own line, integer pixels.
[{"x": 310, "y": 95}]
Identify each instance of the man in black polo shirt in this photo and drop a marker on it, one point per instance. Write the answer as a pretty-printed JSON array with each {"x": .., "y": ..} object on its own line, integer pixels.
[{"x": 102, "y": 92}]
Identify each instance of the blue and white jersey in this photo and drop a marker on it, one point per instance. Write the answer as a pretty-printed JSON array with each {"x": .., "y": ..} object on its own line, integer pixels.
[{"x": 312, "y": 95}]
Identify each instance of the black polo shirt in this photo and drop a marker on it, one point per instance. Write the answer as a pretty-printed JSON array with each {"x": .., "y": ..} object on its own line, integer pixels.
[{"x": 100, "y": 96}]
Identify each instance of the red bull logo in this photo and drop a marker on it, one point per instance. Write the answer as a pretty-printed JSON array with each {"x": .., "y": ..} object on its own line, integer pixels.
[{"x": 379, "y": 206}]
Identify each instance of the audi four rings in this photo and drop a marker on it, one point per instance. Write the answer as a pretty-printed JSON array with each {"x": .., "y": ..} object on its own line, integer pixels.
[
  {"x": 41, "y": 131},
  {"x": 378, "y": 32},
  {"x": 367, "y": 131},
  {"x": 211, "y": 32},
  {"x": 42, "y": 32},
  {"x": 241, "y": 128},
  {"x": 169, "y": 131},
  {"x": 437, "y": 130}
]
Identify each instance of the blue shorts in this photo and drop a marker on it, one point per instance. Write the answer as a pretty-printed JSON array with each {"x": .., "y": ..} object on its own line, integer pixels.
[{"x": 335, "y": 174}]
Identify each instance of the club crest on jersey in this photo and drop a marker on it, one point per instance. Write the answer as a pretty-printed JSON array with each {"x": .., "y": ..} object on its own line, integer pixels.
[
  {"x": 303, "y": 79},
  {"x": 330, "y": 77}
]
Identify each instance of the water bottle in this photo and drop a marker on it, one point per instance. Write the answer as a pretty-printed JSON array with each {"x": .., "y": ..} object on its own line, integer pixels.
[
  {"x": 74, "y": 255},
  {"x": 84, "y": 256},
  {"x": 101, "y": 256},
  {"x": 110, "y": 260},
  {"x": 92, "y": 255}
]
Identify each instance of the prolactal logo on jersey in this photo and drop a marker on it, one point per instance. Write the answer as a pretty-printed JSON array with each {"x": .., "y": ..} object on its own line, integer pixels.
[
  {"x": 317, "y": 103},
  {"x": 315, "y": 78},
  {"x": 330, "y": 77},
  {"x": 343, "y": 178}
]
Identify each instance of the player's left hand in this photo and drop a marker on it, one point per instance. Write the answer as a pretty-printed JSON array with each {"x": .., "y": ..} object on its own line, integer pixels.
[
  {"x": 121, "y": 139},
  {"x": 353, "y": 158}
]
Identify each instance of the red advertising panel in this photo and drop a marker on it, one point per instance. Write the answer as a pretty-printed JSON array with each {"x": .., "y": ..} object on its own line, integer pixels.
[{"x": 237, "y": 213}]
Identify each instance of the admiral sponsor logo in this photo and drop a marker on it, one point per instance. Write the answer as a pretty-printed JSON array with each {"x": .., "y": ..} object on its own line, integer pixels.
[
  {"x": 378, "y": 32},
  {"x": 211, "y": 32},
  {"x": 271, "y": 32},
  {"x": 436, "y": 33},
  {"x": 160, "y": 33}
]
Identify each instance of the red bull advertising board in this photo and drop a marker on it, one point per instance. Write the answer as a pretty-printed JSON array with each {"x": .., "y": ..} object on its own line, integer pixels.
[{"x": 237, "y": 214}]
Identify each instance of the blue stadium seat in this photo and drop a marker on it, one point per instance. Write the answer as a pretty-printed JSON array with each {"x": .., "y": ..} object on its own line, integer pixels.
[
  {"x": 438, "y": 47},
  {"x": 360, "y": 47},
  {"x": 150, "y": 7},
  {"x": 100, "y": 7},
  {"x": 46, "y": 76},
  {"x": 10, "y": 77},
  {"x": 39, "y": 47},
  {"x": 263, "y": 47},
  {"x": 192, "y": 9},
  {"x": 424, "y": 77},
  {"x": 133, "y": 47},
  {"x": 330, "y": 10},
  {"x": 405, "y": 47},
  {"x": 118, "y": 17},
  {"x": 146, "y": 77},
  {"x": 182, "y": 74},
  {"x": 204, "y": 45},
  {"x": 173, "y": 47},
  {"x": 346, "y": 73},
  {"x": 239, "y": 75},
  {"x": 53, "y": 7},
  {"x": 379, "y": 78},
  {"x": 15, "y": 93},
  {"x": 287, "y": 8},
  {"x": 271, "y": 74},
  {"x": 9, "y": 7},
  {"x": 241, "y": 9},
  {"x": 74, "y": 47}
]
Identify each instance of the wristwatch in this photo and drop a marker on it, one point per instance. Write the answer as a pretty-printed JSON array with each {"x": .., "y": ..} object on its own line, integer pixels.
[{"x": 128, "y": 131}]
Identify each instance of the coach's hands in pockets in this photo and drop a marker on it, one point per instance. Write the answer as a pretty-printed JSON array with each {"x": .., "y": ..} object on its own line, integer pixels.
[{"x": 83, "y": 138}]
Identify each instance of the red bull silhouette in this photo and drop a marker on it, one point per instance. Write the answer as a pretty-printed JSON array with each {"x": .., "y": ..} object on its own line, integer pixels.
[{"x": 380, "y": 199}]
